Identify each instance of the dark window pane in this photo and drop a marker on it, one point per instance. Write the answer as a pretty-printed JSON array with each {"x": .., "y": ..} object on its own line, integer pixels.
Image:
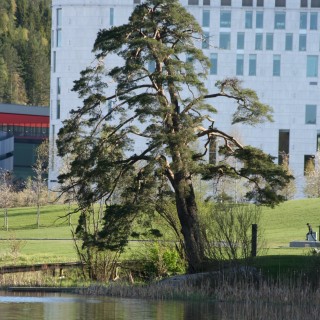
[
  {"x": 315, "y": 3},
  {"x": 280, "y": 3}
]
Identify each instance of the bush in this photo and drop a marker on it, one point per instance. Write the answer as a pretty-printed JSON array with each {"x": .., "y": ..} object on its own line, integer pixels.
[{"x": 163, "y": 260}]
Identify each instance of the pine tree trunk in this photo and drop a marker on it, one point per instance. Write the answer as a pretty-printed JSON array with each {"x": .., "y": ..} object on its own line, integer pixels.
[{"x": 190, "y": 226}]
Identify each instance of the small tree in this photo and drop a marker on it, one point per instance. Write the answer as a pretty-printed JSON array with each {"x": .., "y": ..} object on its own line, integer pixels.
[
  {"x": 6, "y": 191},
  {"x": 312, "y": 177},
  {"x": 40, "y": 170},
  {"x": 228, "y": 230},
  {"x": 290, "y": 189}
]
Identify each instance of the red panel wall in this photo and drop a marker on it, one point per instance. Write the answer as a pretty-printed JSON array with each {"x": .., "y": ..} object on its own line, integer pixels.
[{"x": 24, "y": 120}]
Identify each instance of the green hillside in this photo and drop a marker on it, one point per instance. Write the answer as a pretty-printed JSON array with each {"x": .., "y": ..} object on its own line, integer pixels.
[
  {"x": 287, "y": 222},
  {"x": 279, "y": 226}
]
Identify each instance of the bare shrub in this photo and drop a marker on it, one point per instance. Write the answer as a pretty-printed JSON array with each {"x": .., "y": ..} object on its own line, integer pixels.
[{"x": 228, "y": 231}]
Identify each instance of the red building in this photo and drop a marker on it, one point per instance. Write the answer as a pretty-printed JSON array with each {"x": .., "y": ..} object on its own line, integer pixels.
[{"x": 29, "y": 126}]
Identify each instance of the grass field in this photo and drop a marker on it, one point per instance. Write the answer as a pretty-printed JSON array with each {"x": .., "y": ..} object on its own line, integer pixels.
[{"x": 279, "y": 226}]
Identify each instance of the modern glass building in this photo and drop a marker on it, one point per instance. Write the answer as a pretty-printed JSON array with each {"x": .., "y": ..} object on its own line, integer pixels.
[
  {"x": 273, "y": 46},
  {"x": 24, "y": 128}
]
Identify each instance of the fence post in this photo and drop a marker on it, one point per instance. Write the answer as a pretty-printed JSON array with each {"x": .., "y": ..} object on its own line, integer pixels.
[{"x": 254, "y": 240}]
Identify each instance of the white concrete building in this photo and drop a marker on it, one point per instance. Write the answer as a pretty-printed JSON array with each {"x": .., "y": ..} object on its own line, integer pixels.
[{"x": 273, "y": 46}]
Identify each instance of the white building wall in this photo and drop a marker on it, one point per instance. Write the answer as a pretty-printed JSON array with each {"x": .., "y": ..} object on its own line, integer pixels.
[{"x": 288, "y": 93}]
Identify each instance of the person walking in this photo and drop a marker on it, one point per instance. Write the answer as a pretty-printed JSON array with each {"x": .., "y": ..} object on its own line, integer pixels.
[{"x": 310, "y": 231}]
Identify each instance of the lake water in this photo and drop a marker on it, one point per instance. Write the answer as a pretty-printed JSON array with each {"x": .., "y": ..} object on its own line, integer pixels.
[{"x": 44, "y": 306}]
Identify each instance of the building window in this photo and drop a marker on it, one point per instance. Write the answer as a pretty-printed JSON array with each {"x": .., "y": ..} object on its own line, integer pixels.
[
  {"x": 214, "y": 63},
  {"x": 311, "y": 114},
  {"x": 205, "y": 40},
  {"x": 314, "y": 21},
  {"x": 304, "y": 3},
  {"x": 260, "y": 3},
  {"x": 59, "y": 24},
  {"x": 259, "y": 41},
  {"x": 193, "y": 2},
  {"x": 54, "y": 61},
  {"x": 289, "y": 42},
  {"x": 312, "y": 66},
  {"x": 240, "y": 64},
  {"x": 280, "y": 20},
  {"x": 315, "y": 3},
  {"x": 247, "y": 3},
  {"x": 225, "y": 19},
  {"x": 58, "y": 109},
  {"x": 252, "y": 64},
  {"x": 248, "y": 20},
  {"x": 59, "y": 17},
  {"x": 276, "y": 65},
  {"x": 206, "y": 18},
  {"x": 309, "y": 163},
  {"x": 226, "y": 2},
  {"x": 240, "y": 40},
  {"x": 111, "y": 17},
  {"x": 259, "y": 19},
  {"x": 58, "y": 39},
  {"x": 269, "y": 41},
  {"x": 206, "y": 2},
  {"x": 284, "y": 143},
  {"x": 58, "y": 86},
  {"x": 280, "y": 3},
  {"x": 53, "y": 141},
  {"x": 225, "y": 38},
  {"x": 303, "y": 20},
  {"x": 302, "y": 42}
]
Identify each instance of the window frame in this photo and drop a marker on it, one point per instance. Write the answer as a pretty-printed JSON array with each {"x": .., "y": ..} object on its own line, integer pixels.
[
  {"x": 280, "y": 24},
  {"x": 312, "y": 66},
  {"x": 302, "y": 42},
  {"x": 310, "y": 114},
  {"x": 226, "y": 34},
  {"x": 240, "y": 40},
  {"x": 248, "y": 19},
  {"x": 240, "y": 65},
  {"x": 252, "y": 65},
  {"x": 276, "y": 65},
  {"x": 225, "y": 23},
  {"x": 269, "y": 43},
  {"x": 303, "y": 24},
  {"x": 214, "y": 63},
  {"x": 259, "y": 41}
]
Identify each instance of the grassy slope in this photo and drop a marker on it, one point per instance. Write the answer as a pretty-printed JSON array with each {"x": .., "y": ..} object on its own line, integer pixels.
[
  {"x": 53, "y": 225},
  {"x": 280, "y": 225}
]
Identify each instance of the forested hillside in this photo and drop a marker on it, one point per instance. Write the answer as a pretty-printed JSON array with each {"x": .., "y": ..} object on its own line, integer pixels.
[{"x": 25, "y": 29}]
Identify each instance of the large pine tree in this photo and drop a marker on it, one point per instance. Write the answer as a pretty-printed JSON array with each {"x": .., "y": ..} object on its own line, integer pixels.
[{"x": 158, "y": 94}]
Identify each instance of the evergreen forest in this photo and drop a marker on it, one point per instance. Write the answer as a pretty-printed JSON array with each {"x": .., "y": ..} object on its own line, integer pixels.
[{"x": 25, "y": 30}]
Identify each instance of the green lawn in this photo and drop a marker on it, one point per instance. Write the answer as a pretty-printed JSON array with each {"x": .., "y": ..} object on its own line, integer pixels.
[
  {"x": 278, "y": 226},
  {"x": 53, "y": 225}
]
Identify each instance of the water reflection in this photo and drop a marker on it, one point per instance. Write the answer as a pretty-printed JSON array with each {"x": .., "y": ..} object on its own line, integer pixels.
[{"x": 22, "y": 306}]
